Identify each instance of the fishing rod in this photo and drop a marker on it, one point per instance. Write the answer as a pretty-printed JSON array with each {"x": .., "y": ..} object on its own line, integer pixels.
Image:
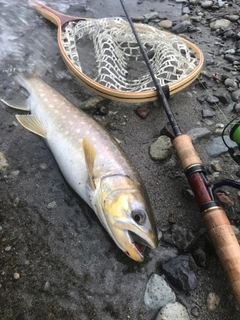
[{"x": 215, "y": 220}]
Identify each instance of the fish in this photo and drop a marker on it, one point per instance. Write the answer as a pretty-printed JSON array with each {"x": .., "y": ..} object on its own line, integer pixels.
[{"x": 93, "y": 164}]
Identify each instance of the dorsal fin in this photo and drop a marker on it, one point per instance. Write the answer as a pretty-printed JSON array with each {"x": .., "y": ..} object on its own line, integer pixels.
[
  {"x": 32, "y": 123},
  {"x": 90, "y": 156}
]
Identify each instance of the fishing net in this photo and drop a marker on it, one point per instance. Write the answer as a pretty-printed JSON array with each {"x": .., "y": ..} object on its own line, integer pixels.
[{"x": 106, "y": 51}]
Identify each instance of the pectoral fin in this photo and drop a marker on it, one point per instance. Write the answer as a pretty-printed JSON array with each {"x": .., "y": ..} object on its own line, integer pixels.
[
  {"x": 20, "y": 105},
  {"x": 90, "y": 156},
  {"x": 32, "y": 123}
]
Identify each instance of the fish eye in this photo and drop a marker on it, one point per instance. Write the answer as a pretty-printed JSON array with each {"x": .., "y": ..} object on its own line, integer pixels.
[{"x": 139, "y": 216}]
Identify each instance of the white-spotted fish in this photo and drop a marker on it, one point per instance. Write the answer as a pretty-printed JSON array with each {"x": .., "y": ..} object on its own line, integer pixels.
[{"x": 93, "y": 164}]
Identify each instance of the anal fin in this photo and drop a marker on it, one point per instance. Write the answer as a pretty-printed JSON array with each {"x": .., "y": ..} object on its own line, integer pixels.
[
  {"x": 33, "y": 124},
  {"x": 20, "y": 105}
]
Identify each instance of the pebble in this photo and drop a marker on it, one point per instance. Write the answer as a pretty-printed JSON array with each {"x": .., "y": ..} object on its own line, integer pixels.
[
  {"x": 46, "y": 286},
  {"x": 236, "y": 108},
  {"x": 52, "y": 205},
  {"x": 16, "y": 201},
  {"x": 8, "y": 248},
  {"x": 206, "y": 4},
  {"x": 195, "y": 312},
  {"x": 179, "y": 236},
  {"x": 3, "y": 163},
  {"x": 143, "y": 112},
  {"x": 198, "y": 133},
  {"x": 172, "y": 311},
  {"x": 230, "y": 83},
  {"x": 158, "y": 293},
  {"x": 15, "y": 173},
  {"x": 215, "y": 165},
  {"x": 166, "y": 24},
  {"x": 212, "y": 100},
  {"x": 213, "y": 301},
  {"x": 206, "y": 113},
  {"x": 182, "y": 27},
  {"x": 179, "y": 273},
  {"x": 16, "y": 276},
  {"x": 161, "y": 149},
  {"x": 216, "y": 147},
  {"x": 220, "y": 24},
  {"x": 235, "y": 95},
  {"x": 223, "y": 98},
  {"x": 43, "y": 166},
  {"x": 151, "y": 15}
]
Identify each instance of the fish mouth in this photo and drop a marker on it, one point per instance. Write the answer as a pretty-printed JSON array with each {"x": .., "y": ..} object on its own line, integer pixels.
[{"x": 137, "y": 245}]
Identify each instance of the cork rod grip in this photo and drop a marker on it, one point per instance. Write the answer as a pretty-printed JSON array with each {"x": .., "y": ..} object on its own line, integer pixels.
[
  {"x": 225, "y": 244},
  {"x": 186, "y": 152}
]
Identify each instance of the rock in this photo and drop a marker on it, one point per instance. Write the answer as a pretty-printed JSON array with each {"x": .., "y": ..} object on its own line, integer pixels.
[
  {"x": 224, "y": 198},
  {"x": 16, "y": 276},
  {"x": 230, "y": 83},
  {"x": 235, "y": 95},
  {"x": 166, "y": 24},
  {"x": 172, "y": 311},
  {"x": 46, "y": 286},
  {"x": 215, "y": 165},
  {"x": 179, "y": 274},
  {"x": 3, "y": 163},
  {"x": 222, "y": 97},
  {"x": 195, "y": 312},
  {"x": 161, "y": 149},
  {"x": 212, "y": 100},
  {"x": 202, "y": 98},
  {"x": 206, "y": 113},
  {"x": 179, "y": 236},
  {"x": 201, "y": 257},
  {"x": 182, "y": 27},
  {"x": 188, "y": 194},
  {"x": 236, "y": 108},
  {"x": 151, "y": 15},
  {"x": 158, "y": 293},
  {"x": 199, "y": 133},
  {"x": 213, "y": 301},
  {"x": 206, "y": 4},
  {"x": 143, "y": 112},
  {"x": 216, "y": 147},
  {"x": 220, "y": 24},
  {"x": 52, "y": 205},
  {"x": 233, "y": 17}
]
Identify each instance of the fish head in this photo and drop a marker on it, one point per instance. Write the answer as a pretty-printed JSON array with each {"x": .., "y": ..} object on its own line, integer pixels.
[{"x": 129, "y": 219}]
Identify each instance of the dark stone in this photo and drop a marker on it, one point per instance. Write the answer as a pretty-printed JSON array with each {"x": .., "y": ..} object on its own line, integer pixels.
[
  {"x": 21, "y": 316},
  {"x": 201, "y": 99},
  {"x": 142, "y": 112},
  {"x": 182, "y": 26},
  {"x": 179, "y": 236},
  {"x": 222, "y": 97},
  {"x": 200, "y": 257},
  {"x": 206, "y": 113},
  {"x": 231, "y": 57},
  {"x": 212, "y": 100},
  {"x": 179, "y": 274},
  {"x": 102, "y": 110},
  {"x": 235, "y": 95}
]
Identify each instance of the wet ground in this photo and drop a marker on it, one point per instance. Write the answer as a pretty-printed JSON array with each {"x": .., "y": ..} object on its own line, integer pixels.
[{"x": 68, "y": 265}]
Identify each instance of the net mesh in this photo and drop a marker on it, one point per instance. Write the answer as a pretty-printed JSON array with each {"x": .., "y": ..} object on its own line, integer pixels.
[{"x": 106, "y": 51}]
